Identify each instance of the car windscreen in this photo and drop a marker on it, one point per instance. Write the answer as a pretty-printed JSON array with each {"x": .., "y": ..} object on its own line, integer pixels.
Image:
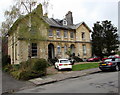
[
  {"x": 107, "y": 60},
  {"x": 64, "y": 61}
]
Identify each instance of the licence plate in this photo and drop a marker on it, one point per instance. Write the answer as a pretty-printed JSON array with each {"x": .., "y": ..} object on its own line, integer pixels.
[
  {"x": 65, "y": 64},
  {"x": 103, "y": 64}
]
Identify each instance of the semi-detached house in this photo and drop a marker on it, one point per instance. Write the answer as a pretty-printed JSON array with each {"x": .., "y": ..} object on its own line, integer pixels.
[{"x": 47, "y": 37}]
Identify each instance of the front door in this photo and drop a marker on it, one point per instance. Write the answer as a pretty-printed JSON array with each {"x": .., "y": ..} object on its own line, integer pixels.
[{"x": 51, "y": 51}]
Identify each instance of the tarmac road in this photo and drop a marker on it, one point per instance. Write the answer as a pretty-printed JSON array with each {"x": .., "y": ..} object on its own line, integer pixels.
[
  {"x": 102, "y": 82},
  {"x": 9, "y": 84}
]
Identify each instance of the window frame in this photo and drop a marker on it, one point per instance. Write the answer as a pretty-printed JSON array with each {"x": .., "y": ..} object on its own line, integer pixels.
[
  {"x": 50, "y": 33},
  {"x": 65, "y": 34},
  {"x": 84, "y": 49},
  {"x": 64, "y": 22},
  {"x": 34, "y": 50},
  {"x": 83, "y": 35},
  {"x": 65, "y": 49},
  {"x": 58, "y": 34},
  {"x": 72, "y": 35},
  {"x": 58, "y": 49}
]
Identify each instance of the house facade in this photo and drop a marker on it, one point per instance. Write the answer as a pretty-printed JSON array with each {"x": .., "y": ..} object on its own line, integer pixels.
[{"x": 48, "y": 38}]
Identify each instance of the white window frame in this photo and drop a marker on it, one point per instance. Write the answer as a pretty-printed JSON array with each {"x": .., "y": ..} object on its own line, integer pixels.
[
  {"x": 65, "y": 49},
  {"x": 72, "y": 35},
  {"x": 58, "y": 33},
  {"x": 84, "y": 49},
  {"x": 64, "y": 22},
  {"x": 50, "y": 33},
  {"x": 65, "y": 34},
  {"x": 58, "y": 49}
]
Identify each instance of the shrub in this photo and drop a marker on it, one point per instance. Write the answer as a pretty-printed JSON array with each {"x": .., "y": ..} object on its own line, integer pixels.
[
  {"x": 25, "y": 75},
  {"x": 77, "y": 59},
  {"x": 40, "y": 65},
  {"x": 8, "y": 68},
  {"x": 31, "y": 68}
]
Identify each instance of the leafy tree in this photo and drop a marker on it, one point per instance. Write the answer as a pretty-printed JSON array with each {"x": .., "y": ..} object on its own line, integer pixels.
[
  {"x": 104, "y": 38},
  {"x": 111, "y": 37},
  {"x": 20, "y": 9},
  {"x": 10, "y": 16},
  {"x": 97, "y": 45},
  {"x": 17, "y": 10}
]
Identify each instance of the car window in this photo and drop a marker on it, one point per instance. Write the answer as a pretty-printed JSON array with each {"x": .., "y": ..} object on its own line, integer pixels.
[
  {"x": 107, "y": 60},
  {"x": 112, "y": 59},
  {"x": 64, "y": 61},
  {"x": 117, "y": 59}
]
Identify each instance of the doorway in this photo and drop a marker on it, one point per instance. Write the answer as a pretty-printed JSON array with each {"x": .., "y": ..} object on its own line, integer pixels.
[{"x": 51, "y": 53}]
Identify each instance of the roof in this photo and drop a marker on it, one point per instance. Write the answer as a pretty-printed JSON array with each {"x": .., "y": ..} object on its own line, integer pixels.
[
  {"x": 79, "y": 24},
  {"x": 57, "y": 23}
]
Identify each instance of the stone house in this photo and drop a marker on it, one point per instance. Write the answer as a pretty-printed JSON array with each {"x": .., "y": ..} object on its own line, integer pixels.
[{"x": 47, "y": 37}]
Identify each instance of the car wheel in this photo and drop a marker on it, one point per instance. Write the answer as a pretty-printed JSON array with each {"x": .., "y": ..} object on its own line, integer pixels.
[
  {"x": 116, "y": 68},
  {"x": 58, "y": 69},
  {"x": 70, "y": 69}
]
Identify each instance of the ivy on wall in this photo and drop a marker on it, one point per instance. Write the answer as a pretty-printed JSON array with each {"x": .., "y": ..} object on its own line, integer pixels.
[{"x": 38, "y": 29}]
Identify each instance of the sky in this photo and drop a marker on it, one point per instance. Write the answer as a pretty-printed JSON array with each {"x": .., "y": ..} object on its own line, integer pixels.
[{"x": 89, "y": 11}]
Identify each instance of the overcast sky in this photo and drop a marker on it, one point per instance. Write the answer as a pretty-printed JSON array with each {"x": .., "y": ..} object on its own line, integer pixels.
[{"x": 88, "y": 11}]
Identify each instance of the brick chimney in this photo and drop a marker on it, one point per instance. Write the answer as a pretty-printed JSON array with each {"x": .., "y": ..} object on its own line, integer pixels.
[{"x": 69, "y": 18}]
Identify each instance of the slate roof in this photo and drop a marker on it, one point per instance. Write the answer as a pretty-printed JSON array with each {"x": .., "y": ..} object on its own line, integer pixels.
[{"x": 57, "y": 23}]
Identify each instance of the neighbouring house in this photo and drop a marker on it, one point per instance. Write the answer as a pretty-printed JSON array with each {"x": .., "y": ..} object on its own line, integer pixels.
[{"x": 47, "y": 37}]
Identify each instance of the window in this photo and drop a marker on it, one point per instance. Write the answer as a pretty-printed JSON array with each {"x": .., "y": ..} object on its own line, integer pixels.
[
  {"x": 71, "y": 34},
  {"x": 58, "y": 33},
  {"x": 83, "y": 35},
  {"x": 15, "y": 51},
  {"x": 34, "y": 49},
  {"x": 58, "y": 49},
  {"x": 65, "y": 48},
  {"x": 84, "y": 50},
  {"x": 65, "y": 34},
  {"x": 64, "y": 22},
  {"x": 50, "y": 33}
]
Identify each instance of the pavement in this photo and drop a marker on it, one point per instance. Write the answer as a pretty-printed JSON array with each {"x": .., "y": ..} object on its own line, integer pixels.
[
  {"x": 62, "y": 76},
  {"x": 11, "y": 85}
]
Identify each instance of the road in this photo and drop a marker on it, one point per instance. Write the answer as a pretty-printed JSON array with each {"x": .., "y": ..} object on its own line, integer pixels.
[{"x": 102, "y": 82}]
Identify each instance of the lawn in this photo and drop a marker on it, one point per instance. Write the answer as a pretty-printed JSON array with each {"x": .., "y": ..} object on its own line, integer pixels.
[{"x": 79, "y": 67}]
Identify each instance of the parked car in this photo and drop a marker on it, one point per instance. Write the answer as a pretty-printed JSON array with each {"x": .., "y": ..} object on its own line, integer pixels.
[
  {"x": 93, "y": 59},
  {"x": 63, "y": 64},
  {"x": 111, "y": 56},
  {"x": 110, "y": 64}
]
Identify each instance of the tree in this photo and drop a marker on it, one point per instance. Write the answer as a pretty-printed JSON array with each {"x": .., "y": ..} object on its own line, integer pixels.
[
  {"x": 111, "y": 37},
  {"x": 10, "y": 16},
  {"x": 21, "y": 7},
  {"x": 17, "y": 10},
  {"x": 97, "y": 39},
  {"x": 104, "y": 38}
]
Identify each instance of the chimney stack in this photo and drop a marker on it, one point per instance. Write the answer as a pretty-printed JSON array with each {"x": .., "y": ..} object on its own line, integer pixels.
[{"x": 69, "y": 18}]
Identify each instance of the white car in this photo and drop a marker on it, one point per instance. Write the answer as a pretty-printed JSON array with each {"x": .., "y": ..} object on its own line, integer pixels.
[{"x": 63, "y": 64}]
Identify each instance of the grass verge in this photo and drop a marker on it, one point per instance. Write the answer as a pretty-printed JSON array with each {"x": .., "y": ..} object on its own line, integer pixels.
[{"x": 79, "y": 67}]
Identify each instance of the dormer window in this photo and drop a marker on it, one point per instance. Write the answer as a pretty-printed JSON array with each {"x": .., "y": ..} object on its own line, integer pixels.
[{"x": 64, "y": 22}]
